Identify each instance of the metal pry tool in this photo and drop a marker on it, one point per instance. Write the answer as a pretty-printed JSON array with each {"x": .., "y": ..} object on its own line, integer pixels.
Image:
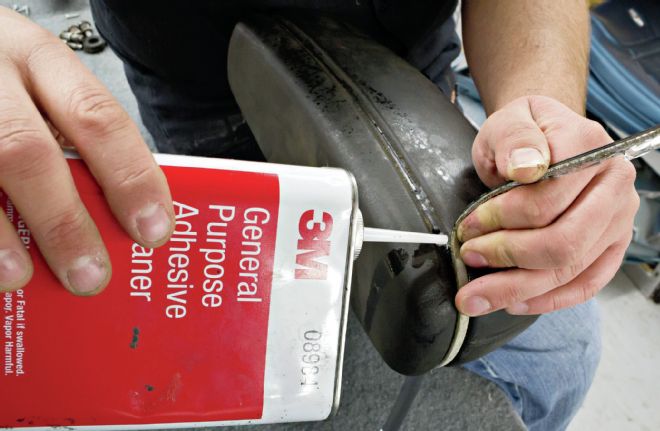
[{"x": 631, "y": 147}]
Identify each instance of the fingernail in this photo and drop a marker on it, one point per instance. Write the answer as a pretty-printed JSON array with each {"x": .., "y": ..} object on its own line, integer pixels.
[
  {"x": 518, "y": 308},
  {"x": 13, "y": 267},
  {"x": 86, "y": 275},
  {"x": 526, "y": 164},
  {"x": 474, "y": 259},
  {"x": 153, "y": 223},
  {"x": 526, "y": 158},
  {"x": 475, "y": 305}
]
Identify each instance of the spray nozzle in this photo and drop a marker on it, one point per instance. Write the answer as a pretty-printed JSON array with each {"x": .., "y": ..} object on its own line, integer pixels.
[{"x": 370, "y": 234}]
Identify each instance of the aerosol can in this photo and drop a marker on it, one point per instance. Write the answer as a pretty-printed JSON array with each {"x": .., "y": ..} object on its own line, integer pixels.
[{"x": 239, "y": 319}]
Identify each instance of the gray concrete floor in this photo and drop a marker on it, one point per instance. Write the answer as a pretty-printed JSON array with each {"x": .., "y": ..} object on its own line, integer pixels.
[
  {"x": 626, "y": 392},
  {"x": 624, "y": 395}
]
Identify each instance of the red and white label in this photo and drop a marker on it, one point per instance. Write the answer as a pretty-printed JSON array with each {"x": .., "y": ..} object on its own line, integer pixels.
[
  {"x": 238, "y": 319},
  {"x": 180, "y": 333}
]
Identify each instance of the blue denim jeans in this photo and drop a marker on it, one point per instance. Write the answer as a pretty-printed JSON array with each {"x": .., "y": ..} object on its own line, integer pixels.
[{"x": 546, "y": 371}]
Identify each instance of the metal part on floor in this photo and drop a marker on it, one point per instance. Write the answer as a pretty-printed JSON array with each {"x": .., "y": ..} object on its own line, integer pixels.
[
  {"x": 22, "y": 9},
  {"x": 83, "y": 37}
]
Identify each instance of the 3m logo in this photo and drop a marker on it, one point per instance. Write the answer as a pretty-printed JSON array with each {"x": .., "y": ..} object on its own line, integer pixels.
[{"x": 313, "y": 245}]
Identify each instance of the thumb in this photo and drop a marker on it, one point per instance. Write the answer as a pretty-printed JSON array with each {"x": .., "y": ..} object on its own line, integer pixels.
[
  {"x": 515, "y": 143},
  {"x": 524, "y": 159}
]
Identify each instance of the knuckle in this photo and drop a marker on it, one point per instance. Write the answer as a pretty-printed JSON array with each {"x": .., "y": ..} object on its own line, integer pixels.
[
  {"x": 93, "y": 110},
  {"x": 558, "y": 302},
  {"x": 17, "y": 135},
  {"x": 626, "y": 171},
  {"x": 593, "y": 134},
  {"x": 532, "y": 210},
  {"x": 15, "y": 34},
  {"x": 587, "y": 290},
  {"x": 480, "y": 153},
  {"x": 512, "y": 294},
  {"x": 563, "y": 275},
  {"x": 536, "y": 209},
  {"x": 24, "y": 150},
  {"x": 558, "y": 276},
  {"x": 623, "y": 175},
  {"x": 563, "y": 251},
  {"x": 505, "y": 255},
  {"x": 553, "y": 254},
  {"x": 518, "y": 132},
  {"x": 483, "y": 159},
  {"x": 66, "y": 228},
  {"x": 43, "y": 49},
  {"x": 571, "y": 249},
  {"x": 133, "y": 174}
]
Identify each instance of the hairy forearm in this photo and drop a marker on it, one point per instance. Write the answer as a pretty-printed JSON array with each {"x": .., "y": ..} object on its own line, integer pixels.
[{"x": 522, "y": 47}]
